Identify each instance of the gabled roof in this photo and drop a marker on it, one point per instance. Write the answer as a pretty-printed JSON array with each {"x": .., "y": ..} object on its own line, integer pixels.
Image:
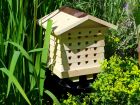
[{"x": 67, "y": 18}]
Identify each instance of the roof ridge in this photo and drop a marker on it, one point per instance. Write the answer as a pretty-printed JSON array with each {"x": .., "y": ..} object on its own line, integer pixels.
[{"x": 73, "y": 12}]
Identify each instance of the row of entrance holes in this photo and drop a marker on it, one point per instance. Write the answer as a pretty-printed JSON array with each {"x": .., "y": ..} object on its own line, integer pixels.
[
  {"x": 86, "y": 49},
  {"x": 79, "y": 37},
  {"x": 78, "y": 56},
  {"x": 86, "y": 62},
  {"x": 88, "y": 32}
]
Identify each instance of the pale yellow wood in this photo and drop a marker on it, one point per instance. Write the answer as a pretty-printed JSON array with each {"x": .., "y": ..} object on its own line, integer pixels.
[
  {"x": 89, "y": 24},
  {"x": 78, "y": 64},
  {"x": 89, "y": 77},
  {"x": 74, "y": 79},
  {"x": 102, "y": 22},
  {"x": 63, "y": 22},
  {"x": 73, "y": 54},
  {"x": 82, "y": 46},
  {"x": 77, "y": 38},
  {"x": 74, "y": 73},
  {"x": 85, "y": 31},
  {"x": 75, "y": 59}
]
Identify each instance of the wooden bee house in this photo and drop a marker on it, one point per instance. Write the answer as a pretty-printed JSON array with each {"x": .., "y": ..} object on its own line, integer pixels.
[{"x": 77, "y": 42}]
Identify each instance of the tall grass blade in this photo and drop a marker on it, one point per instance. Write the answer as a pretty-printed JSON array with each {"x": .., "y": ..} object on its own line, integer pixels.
[
  {"x": 12, "y": 68},
  {"x": 35, "y": 20},
  {"x": 32, "y": 76},
  {"x": 1, "y": 41},
  {"x": 46, "y": 42},
  {"x": 16, "y": 83},
  {"x": 36, "y": 50},
  {"x": 55, "y": 100},
  {"x": 44, "y": 56},
  {"x": 31, "y": 67},
  {"x": 22, "y": 50}
]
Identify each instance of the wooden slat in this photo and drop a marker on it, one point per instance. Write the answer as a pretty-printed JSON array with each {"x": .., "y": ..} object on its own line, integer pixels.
[
  {"x": 73, "y": 73},
  {"x": 74, "y": 79},
  {"x": 85, "y": 31},
  {"x": 83, "y": 45},
  {"x": 75, "y": 59},
  {"x": 76, "y": 66},
  {"x": 75, "y": 53},
  {"x": 89, "y": 77},
  {"x": 77, "y": 39}
]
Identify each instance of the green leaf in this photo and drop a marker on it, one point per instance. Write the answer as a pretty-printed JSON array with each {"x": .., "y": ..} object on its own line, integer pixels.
[
  {"x": 46, "y": 42},
  {"x": 55, "y": 100},
  {"x": 31, "y": 66},
  {"x": 37, "y": 50},
  {"x": 12, "y": 68},
  {"x": 44, "y": 56},
  {"x": 16, "y": 83},
  {"x": 22, "y": 50}
]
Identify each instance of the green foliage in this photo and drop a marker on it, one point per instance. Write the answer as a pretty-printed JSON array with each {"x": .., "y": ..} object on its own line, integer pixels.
[
  {"x": 18, "y": 33},
  {"x": 124, "y": 40},
  {"x": 16, "y": 83},
  {"x": 76, "y": 100},
  {"x": 118, "y": 83}
]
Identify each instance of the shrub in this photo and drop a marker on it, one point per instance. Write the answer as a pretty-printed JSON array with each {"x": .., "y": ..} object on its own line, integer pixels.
[
  {"x": 118, "y": 83},
  {"x": 76, "y": 100}
]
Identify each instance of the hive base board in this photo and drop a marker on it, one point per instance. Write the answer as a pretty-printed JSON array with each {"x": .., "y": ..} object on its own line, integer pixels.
[
  {"x": 76, "y": 73},
  {"x": 87, "y": 77}
]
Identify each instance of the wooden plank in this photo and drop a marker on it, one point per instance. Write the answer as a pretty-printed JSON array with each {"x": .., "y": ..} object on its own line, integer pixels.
[
  {"x": 102, "y": 22},
  {"x": 89, "y": 77},
  {"x": 82, "y": 58},
  {"x": 76, "y": 39},
  {"x": 75, "y": 53},
  {"x": 74, "y": 73},
  {"x": 83, "y": 45},
  {"x": 85, "y": 31},
  {"x": 76, "y": 66},
  {"x": 74, "y": 79}
]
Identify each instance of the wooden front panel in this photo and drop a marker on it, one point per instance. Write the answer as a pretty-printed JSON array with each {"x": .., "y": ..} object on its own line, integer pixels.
[{"x": 78, "y": 49}]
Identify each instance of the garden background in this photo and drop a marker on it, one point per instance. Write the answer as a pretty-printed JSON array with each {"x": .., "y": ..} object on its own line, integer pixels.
[{"x": 22, "y": 53}]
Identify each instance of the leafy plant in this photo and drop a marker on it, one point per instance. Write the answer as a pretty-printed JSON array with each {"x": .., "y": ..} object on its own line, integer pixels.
[
  {"x": 76, "y": 100},
  {"x": 118, "y": 83},
  {"x": 19, "y": 34},
  {"x": 124, "y": 40}
]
